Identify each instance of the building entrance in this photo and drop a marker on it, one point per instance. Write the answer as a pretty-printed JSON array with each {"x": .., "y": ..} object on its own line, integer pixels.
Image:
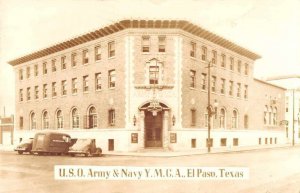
[{"x": 153, "y": 130}]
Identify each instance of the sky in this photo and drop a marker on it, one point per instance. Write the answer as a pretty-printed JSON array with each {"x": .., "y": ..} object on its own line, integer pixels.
[{"x": 269, "y": 28}]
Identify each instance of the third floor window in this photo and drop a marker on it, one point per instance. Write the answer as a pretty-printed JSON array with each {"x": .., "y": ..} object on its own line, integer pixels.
[
  {"x": 63, "y": 62},
  {"x": 214, "y": 57},
  {"x": 45, "y": 71},
  {"x": 162, "y": 44},
  {"x": 98, "y": 53},
  {"x": 111, "y": 49},
  {"x": 193, "y": 49}
]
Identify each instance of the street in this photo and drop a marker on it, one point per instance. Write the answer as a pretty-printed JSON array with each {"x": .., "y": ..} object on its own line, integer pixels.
[{"x": 271, "y": 171}]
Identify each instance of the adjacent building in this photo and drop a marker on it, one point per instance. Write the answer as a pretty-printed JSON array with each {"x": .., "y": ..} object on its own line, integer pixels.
[
  {"x": 6, "y": 130},
  {"x": 140, "y": 84}
]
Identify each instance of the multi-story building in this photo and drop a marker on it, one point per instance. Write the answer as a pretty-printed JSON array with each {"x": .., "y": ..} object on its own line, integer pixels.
[
  {"x": 142, "y": 83},
  {"x": 292, "y": 104}
]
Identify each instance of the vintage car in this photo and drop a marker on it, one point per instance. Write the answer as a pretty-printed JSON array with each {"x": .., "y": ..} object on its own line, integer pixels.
[
  {"x": 25, "y": 146},
  {"x": 49, "y": 142},
  {"x": 86, "y": 147}
]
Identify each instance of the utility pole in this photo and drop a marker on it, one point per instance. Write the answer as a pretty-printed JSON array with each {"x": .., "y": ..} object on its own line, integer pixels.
[{"x": 293, "y": 142}]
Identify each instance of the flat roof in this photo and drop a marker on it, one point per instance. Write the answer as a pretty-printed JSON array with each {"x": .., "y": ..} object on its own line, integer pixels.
[
  {"x": 143, "y": 24},
  {"x": 264, "y": 82}
]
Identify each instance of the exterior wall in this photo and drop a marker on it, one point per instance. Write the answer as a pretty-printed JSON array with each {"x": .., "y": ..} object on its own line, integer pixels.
[{"x": 6, "y": 130}]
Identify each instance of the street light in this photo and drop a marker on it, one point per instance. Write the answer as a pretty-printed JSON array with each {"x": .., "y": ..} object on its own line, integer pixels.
[{"x": 210, "y": 108}]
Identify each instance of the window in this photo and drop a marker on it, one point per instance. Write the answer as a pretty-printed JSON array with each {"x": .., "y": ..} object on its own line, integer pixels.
[
  {"x": 246, "y": 69},
  {"x": 146, "y": 44},
  {"x": 203, "y": 81},
  {"x": 204, "y": 53},
  {"x": 231, "y": 63},
  {"x": 111, "y": 49},
  {"x": 266, "y": 140},
  {"x": 193, "y": 117},
  {"x": 54, "y": 92},
  {"x": 21, "y": 122},
  {"x": 230, "y": 88},
  {"x": 275, "y": 116},
  {"x": 75, "y": 119},
  {"x": 45, "y": 71},
  {"x": 193, "y": 143},
  {"x": 192, "y": 78},
  {"x": 63, "y": 63},
  {"x": 92, "y": 118},
  {"x": 74, "y": 86},
  {"x": 28, "y": 93},
  {"x": 193, "y": 50},
  {"x": 223, "y": 62},
  {"x": 161, "y": 43},
  {"x": 21, "y": 74},
  {"x": 28, "y": 72},
  {"x": 45, "y": 91},
  {"x": 32, "y": 121},
  {"x": 238, "y": 91},
  {"x": 59, "y": 120},
  {"x": 222, "y": 118},
  {"x": 45, "y": 120},
  {"x": 36, "y": 92},
  {"x": 211, "y": 142},
  {"x": 271, "y": 140},
  {"x": 286, "y": 104},
  {"x": 266, "y": 115},
  {"x": 63, "y": 87},
  {"x": 85, "y": 56},
  {"x": 246, "y": 92},
  {"x": 97, "y": 53},
  {"x": 213, "y": 83},
  {"x": 239, "y": 66},
  {"x": 153, "y": 74},
  {"x": 234, "y": 119},
  {"x": 53, "y": 65},
  {"x": 259, "y": 141},
  {"x": 222, "y": 86},
  {"x": 235, "y": 141},
  {"x": 111, "y": 117},
  {"x": 111, "y": 79},
  {"x": 73, "y": 60},
  {"x": 21, "y": 94},
  {"x": 85, "y": 83},
  {"x": 214, "y": 57},
  {"x": 36, "y": 70},
  {"x": 98, "y": 81},
  {"x": 270, "y": 115},
  {"x": 223, "y": 141},
  {"x": 246, "y": 122}
]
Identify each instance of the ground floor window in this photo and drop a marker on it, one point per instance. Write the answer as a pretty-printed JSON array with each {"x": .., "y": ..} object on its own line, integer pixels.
[
  {"x": 60, "y": 122},
  {"x": 75, "y": 118}
]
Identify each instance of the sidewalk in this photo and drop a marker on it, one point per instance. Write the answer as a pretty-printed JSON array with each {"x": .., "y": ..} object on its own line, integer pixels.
[{"x": 167, "y": 153}]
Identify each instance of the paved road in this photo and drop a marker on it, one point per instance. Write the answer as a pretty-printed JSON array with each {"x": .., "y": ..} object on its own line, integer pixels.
[{"x": 271, "y": 171}]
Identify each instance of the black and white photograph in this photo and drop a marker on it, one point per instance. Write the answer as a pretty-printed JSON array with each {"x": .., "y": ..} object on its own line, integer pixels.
[{"x": 152, "y": 96}]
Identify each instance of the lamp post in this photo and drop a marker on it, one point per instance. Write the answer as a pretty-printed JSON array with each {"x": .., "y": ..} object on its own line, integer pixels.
[{"x": 210, "y": 108}]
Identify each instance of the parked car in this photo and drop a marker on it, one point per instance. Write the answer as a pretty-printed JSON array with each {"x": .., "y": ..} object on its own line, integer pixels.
[
  {"x": 51, "y": 143},
  {"x": 25, "y": 146},
  {"x": 86, "y": 147}
]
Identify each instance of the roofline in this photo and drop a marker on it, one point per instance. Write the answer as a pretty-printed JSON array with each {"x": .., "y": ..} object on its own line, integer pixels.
[
  {"x": 127, "y": 24},
  {"x": 282, "y": 77},
  {"x": 264, "y": 82}
]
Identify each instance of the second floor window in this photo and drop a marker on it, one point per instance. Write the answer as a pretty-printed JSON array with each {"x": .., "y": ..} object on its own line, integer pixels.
[
  {"x": 98, "y": 81},
  {"x": 74, "y": 86},
  {"x": 54, "y": 90},
  {"x": 246, "y": 92},
  {"x": 98, "y": 53},
  {"x": 28, "y": 94},
  {"x": 193, "y": 117},
  {"x": 36, "y": 92},
  {"x": 213, "y": 83},
  {"x": 111, "y": 117},
  {"x": 63, "y": 87},
  {"x": 85, "y": 83},
  {"x": 45, "y": 71},
  {"x": 21, "y": 94},
  {"x": 111, "y": 79},
  {"x": 111, "y": 49},
  {"x": 192, "y": 79},
  {"x": 203, "y": 81},
  {"x": 161, "y": 44},
  {"x": 63, "y": 62},
  {"x": 238, "y": 92},
  {"x": 222, "y": 86},
  {"x": 45, "y": 91},
  {"x": 85, "y": 56},
  {"x": 230, "y": 88},
  {"x": 193, "y": 49},
  {"x": 153, "y": 74}
]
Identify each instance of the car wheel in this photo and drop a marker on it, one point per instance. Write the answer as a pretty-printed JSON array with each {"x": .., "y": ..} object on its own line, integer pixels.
[
  {"x": 72, "y": 154},
  {"x": 88, "y": 153},
  {"x": 20, "y": 152},
  {"x": 31, "y": 153}
]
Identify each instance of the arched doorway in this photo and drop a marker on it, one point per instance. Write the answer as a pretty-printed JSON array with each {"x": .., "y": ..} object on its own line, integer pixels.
[{"x": 154, "y": 125}]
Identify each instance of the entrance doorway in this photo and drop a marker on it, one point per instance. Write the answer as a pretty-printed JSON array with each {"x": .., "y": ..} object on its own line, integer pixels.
[{"x": 153, "y": 129}]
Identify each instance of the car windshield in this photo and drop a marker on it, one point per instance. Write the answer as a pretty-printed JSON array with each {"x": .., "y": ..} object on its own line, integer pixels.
[
  {"x": 81, "y": 142},
  {"x": 27, "y": 141}
]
